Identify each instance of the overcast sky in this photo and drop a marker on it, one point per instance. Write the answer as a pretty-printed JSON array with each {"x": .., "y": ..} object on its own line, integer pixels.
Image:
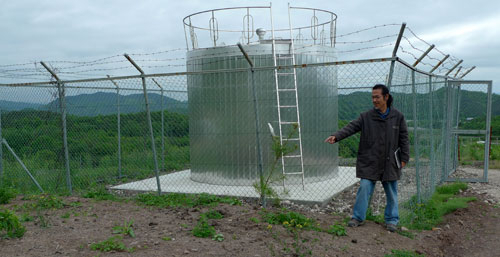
[{"x": 86, "y": 30}]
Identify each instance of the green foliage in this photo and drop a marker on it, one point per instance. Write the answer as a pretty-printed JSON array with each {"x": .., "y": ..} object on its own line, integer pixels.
[
  {"x": 443, "y": 201},
  {"x": 203, "y": 229},
  {"x": 166, "y": 238},
  {"x": 263, "y": 186},
  {"x": 452, "y": 189},
  {"x": 184, "y": 200},
  {"x": 403, "y": 253},
  {"x": 6, "y": 194},
  {"x": 45, "y": 202},
  {"x": 255, "y": 220},
  {"x": 99, "y": 193},
  {"x": 114, "y": 243},
  {"x": 126, "y": 229},
  {"x": 10, "y": 226},
  {"x": 289, "y": 219},
  {"x": 218, "y": 237},
  {"x": 213, "y": 214},
  {"x": 375, "y": 218},
  {"x": 337, "y": 229}
]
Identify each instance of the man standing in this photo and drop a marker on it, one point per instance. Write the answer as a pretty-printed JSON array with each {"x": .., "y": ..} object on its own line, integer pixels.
[{"x": 383, "y": 151}]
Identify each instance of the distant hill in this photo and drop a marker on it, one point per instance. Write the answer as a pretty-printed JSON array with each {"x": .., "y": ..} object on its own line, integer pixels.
[
  {"x": 472, "y": 104},
  {"x": 17, "y": 106},
  {"x": 103, "y": 103}
]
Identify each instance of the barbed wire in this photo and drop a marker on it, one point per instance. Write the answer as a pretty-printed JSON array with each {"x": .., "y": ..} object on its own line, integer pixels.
[
  {"x": 160, "y": 52},
  {"x": 414, "y": 57},
  {"x": 365, "y": 48},
  {"x": 365, "y": 41},
  {"x": 366, "y": 29}
]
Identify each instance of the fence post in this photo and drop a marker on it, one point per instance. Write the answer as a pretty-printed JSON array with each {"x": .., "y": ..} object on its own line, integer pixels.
[
  {"x": 120, "y": 175},
  {"x": 148, "y": 116},
  {"x": 394, "y": 52},
  {"x": 431, "y": 125},
  {"x": 446, "y": 132},
  {"x": 1, "y": 151},
  {"x": 487, "y": 142},
  {"x": 162, "y": 128},
  {"x": 62, "y": 106},
  {"x": 415, "y": 137},
  {"x": 257, "y": 126}
]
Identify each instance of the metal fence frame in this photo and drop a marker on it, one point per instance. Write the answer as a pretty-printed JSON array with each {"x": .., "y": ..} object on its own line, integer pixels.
[{"x": 449, "y": 107}]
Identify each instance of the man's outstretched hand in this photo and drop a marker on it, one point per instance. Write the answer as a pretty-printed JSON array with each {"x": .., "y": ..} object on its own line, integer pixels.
[{"x": 331, "y": 140}]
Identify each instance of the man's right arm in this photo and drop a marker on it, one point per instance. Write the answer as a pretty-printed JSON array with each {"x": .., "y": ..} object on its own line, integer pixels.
[{"x": 352, "y": 128}]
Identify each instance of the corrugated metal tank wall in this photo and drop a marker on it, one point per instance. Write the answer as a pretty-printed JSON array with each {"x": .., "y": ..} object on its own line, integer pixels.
[{"x": 222, "y": 120}]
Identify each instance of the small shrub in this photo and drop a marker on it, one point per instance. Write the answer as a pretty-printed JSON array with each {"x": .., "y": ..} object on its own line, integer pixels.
[
  {"x": 337, "y": 230},
  {"x": 218, "y": 237},
  {"x": 289, "y": 219},
  {"x": 114, "y": 243},
  {"x": 213, "y": 214},
  {"x": 203, "y": 229},
  {"x": 10, "y": 226},
  {"x": 6, "y": 194},
  {"x": 45, "y": 202},
  {"x": 166, "y": 238},
  {"x": 126, "y": 229},
  {"x": 255, "y": 220}
]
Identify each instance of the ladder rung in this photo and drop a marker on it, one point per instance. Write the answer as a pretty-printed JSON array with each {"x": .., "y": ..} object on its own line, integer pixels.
[
  {"x": 286, "y": 89},
  {"x": 288, "y": 106},
  {"x": 293, "y": 173},
  {"x": 289, "y": 122},
  {"x": 285, "y": 73},
  {"x": 292, "y": 156},
  {"x": 291, "y": 139}
]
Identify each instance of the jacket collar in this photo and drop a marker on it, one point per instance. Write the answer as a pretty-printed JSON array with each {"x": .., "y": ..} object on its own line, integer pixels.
[{"x": 375, "y": 115}]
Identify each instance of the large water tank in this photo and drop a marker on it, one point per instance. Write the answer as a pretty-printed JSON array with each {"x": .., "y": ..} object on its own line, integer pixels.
[{"x": 222, "y": 120}]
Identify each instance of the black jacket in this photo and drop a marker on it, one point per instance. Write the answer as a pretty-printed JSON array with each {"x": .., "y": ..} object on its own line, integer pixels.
[{"x": 380, "y": 138}]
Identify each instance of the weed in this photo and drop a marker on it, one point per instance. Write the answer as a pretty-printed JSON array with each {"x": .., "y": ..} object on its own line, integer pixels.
[
  {"x": 255, "y": 220},
  {"x": 99, "y": 193},
  {"x": 66, "y": 215},
  {"x": 218, "y": 237},
  {"x": 406, "y": 233},
  {"x": 203, "y": 229},
  {"x": 403, "y": 253},
  {"x": 6, "y": 194},
  {"x": 184, "y": 200},
  {"x": 114, "y": 243},
  {"x": 337, "y": 230},
  {"x": 289, "y": 219},
  {"x": 375, "y": 218},
  {"x": 213, "y": 214},
  {"x": 42, "y": 220},
  {"x": 25, "y": 217},
  {"x": 10, "y": 226},
  {"x": 45, "y": 202},
  {"x": 427, "y": 215},
  {"x": 166, "y": 238},
  {"x": 75, "y": 204},
  {"x": 126, "y": 229},
  {"x": 263, "y": 186},
  {"x": 184, "y": 225}
]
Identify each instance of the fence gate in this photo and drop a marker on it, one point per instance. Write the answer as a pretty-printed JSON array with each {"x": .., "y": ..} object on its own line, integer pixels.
[{"x": 469, "y": 126}]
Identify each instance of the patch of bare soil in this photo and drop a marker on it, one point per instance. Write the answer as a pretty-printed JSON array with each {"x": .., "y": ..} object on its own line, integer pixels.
[{"x": 70, "y": 231}]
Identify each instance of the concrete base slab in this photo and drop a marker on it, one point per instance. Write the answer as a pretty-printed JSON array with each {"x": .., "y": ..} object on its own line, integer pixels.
[{"x": 312, "y": 193}]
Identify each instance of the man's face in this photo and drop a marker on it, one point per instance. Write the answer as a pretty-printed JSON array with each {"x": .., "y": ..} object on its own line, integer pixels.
[{"x": 379, "y": 101}]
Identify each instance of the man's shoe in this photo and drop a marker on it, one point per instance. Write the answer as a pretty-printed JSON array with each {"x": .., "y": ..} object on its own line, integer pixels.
[
  {"x": 391, "y": 227},
  {"x": 355, "y": 223}
]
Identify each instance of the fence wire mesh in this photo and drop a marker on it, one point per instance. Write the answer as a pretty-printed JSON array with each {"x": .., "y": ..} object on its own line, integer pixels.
[{"x": 204, "y": 130}]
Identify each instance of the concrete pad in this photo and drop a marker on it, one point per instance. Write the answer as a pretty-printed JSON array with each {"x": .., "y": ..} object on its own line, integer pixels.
[{"x": 312, "y": 193}]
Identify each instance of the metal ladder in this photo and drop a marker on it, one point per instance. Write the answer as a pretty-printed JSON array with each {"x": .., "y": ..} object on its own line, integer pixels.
[{"x": 283, "y": 78}]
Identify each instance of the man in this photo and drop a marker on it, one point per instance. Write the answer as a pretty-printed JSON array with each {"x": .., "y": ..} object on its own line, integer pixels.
[{"x": 383, "y": 151}]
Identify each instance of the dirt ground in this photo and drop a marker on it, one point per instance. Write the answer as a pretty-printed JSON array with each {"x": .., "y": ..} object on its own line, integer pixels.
[{"x": 473, "y": 231}]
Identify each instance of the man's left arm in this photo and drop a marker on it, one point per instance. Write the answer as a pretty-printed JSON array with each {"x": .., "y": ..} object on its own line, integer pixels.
[{"x": 404, "y": 142}]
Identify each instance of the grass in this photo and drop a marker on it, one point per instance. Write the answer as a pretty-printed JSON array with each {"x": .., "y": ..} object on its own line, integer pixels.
[
  {"x": 184, "y": 200},
  {"x": 403, "y": 253},
  {"x": 10, "y": 226},
  {"x": 203, "y": 229},
  {"x": 114, "y": 243},
  {"x": 425, "y": 216},
  {"x": 6, "y": 194}
]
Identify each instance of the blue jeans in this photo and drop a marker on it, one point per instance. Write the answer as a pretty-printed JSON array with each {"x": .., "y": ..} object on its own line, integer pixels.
[{"x": 364, "y": 194}]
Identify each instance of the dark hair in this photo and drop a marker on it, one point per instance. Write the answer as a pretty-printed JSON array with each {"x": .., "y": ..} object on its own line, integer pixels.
[{"x": 385, "y": 91}]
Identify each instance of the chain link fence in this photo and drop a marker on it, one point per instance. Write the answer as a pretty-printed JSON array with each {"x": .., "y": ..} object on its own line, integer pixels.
[{"x": 204, "y": 132}]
